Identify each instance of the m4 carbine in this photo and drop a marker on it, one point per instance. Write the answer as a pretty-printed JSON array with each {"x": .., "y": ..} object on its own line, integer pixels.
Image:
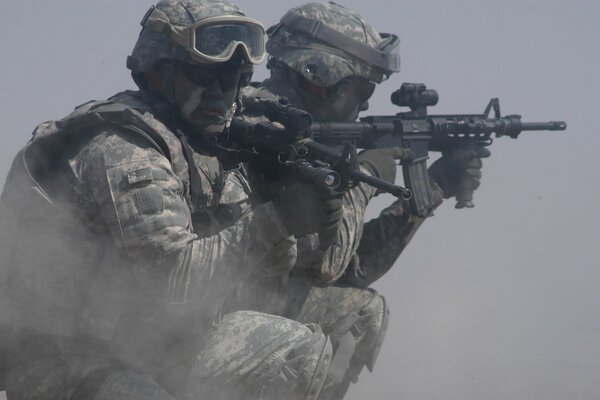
[
  {"x": 286, "y": 148},
  {"x": 421, "y": 133}
]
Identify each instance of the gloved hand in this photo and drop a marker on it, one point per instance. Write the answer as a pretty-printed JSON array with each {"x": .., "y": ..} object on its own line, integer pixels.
[
  {"x": 458, "y": 173},
  {"x": 382, "y": 162},
  {"x": 307, "y": 209},
  {"x": 264, "y": 186}
]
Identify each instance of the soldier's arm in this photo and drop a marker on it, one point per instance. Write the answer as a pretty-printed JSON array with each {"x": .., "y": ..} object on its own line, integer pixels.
[
  {"x": 142, "y": 205},
  {"x": 387, "y": 236},
  {"x": 384, "y": 239},
  {"x": 326, "y": 266}
]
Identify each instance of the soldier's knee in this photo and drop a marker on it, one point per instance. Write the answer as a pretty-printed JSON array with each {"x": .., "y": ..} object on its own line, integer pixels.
[
  {"x": 371, "y": 328},
  {"x": 356, "y": 319},
  {"x": 260, "y": 355},
  {"x": 358, "y": 339},
  {"x": 309, "y": 360},
  {"x": 359, "y": 334}
]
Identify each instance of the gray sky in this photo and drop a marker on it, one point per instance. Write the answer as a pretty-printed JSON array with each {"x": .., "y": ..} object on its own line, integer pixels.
[{"x": 498, "y": 302}]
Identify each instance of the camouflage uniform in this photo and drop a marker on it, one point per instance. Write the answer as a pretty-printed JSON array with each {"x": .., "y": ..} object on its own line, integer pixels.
[
  {"x": 117, "y": 260},
  {"x": 354, "y": 315},
  {"x": 331, "y": 287},
  {"x": 120, "y": 241}
]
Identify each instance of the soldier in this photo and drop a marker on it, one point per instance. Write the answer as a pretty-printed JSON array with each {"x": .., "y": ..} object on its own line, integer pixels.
[
  {"x": 121, "y": 233},
  {"x": 327, "y": 60}
]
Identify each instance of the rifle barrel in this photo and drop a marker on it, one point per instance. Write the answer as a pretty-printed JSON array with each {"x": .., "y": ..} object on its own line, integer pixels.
[{"x": 544, "y": 126}]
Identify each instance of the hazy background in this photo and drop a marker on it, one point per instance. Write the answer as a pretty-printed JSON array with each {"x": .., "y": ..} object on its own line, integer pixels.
[{"x": 498, "y": 302}]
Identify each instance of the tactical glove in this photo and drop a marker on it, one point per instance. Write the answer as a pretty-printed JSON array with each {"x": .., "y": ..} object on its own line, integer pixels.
[
  {"x": 382, "y": 162},
  {"x": 264, "y": 188},
  {"x": 458, "y": 173},
  {"x": 307, "y": 209}
]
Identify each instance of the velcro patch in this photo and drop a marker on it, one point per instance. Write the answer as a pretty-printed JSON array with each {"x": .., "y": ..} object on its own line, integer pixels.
[
  {"x": 140, "y": 175},
  {"x": 146, "y": 176},
  {"x": 149, "y": 200}
]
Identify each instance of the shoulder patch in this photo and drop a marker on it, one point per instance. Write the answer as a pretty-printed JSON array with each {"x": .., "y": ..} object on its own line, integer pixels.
[{"x": 149, "y": 200}]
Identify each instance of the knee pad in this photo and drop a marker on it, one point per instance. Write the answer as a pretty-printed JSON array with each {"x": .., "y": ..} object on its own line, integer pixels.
[
  {"x": 256, "y": 355},
  {"x": 318, "y": 353},
  {"x": 371, "y": 327},
  {"x": 342, "y": 310},
  {"x": 358, "y": 339}
]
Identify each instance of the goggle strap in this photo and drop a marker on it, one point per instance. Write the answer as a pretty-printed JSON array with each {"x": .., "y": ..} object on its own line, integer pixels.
[
  {"x": 158, "y": 21},
  {"x": 338, "y": 40},
  {"x": 389, "y": 44},
  {"x": 375, "y": 74}
]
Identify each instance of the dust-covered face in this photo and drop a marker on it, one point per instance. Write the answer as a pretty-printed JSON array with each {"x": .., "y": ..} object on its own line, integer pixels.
[
  {"x": 340, "y": 102},
  {"x": 206, "y": 93}
]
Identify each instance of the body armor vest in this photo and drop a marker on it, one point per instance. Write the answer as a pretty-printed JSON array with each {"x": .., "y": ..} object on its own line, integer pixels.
[{"x": 60, "y": 273}]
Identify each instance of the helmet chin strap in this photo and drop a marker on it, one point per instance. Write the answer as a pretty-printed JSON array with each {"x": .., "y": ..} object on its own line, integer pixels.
[
  {"x": 168, "y": 79},
  {"x": 217, "y": 128},
  {"x": 244, "y": 79},
  {"x": 238, "y": 75},
  {"x": 222, "y": 122}
]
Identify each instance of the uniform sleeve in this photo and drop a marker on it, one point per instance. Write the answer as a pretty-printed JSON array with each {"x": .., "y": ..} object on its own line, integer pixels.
[
  {"x": 326, "y": 266},
  {"x": 142, "y": 204},
  {"x": 384, "y": 239}
]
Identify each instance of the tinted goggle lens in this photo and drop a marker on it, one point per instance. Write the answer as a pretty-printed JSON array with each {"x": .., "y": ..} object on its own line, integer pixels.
[{"x": 220, "y": 40}]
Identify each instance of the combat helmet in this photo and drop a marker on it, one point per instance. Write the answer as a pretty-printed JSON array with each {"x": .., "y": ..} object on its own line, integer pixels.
[
  {"x": 194, "y": 31},
  {"x": 325, "y": 43}
]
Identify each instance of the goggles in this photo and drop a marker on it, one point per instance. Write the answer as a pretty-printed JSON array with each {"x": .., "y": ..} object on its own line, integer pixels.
[
  {"x": 213, "y": 39},
  {"x": 385, "y": 56}
]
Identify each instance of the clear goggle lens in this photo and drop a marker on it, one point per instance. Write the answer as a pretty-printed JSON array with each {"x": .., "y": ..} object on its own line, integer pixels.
[
  {"x": 218, "y": 41},
  {"x": 213, "y": 39}
]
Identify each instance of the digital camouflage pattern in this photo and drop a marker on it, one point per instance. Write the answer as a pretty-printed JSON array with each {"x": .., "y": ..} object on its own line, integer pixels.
[
  {"x": 355, "y": 319},
  {"x": 114, "y": 257},
  {"x": 153, "y": 46},
  {"x": 393, "y": 229},
  {"x": 355, "y": 315},
  {"x": 325, "y": 266},
  {"x": 384, "y": 239},
  {"x": 316, "y": 61},
  {"x": 136, "y": 192},
  {"x": 251, "y": 355}
]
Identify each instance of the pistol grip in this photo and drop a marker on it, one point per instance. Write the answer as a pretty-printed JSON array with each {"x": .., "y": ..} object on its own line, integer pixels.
[{"x": 464, "y": 195}]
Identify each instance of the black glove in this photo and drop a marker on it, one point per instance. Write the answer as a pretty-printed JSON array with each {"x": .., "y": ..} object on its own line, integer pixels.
[
  {"x": 382, "y": 162},
  {"x": 265, "y": 186},
  {"x": 458, "y": 173},
  {"x": 307, "y": 209}
]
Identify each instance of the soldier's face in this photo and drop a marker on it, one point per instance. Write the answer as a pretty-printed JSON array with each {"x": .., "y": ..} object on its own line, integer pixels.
[
  {"x": 341, "y": 102},
  {"x": 206, "y": 94}
]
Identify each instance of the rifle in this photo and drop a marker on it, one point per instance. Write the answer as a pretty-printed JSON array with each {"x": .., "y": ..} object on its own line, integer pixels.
[
  {"x": 421, "y": 133},
  {"x": 288, "y": 147}
]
